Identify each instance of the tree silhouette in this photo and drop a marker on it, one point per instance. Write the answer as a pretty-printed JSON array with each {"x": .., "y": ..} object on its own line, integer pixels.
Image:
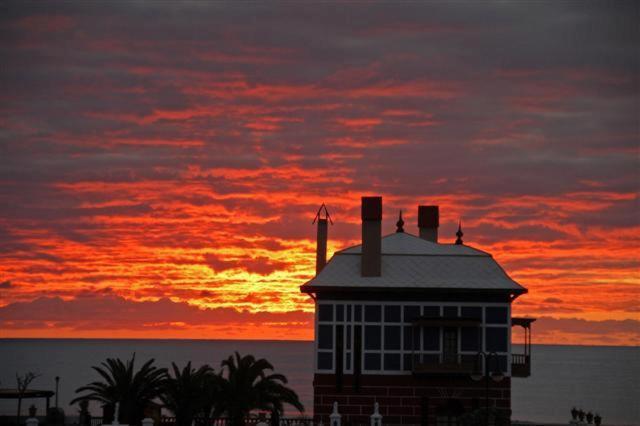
[
  {"x": 190, "y": 392},
  {"x": 133, "y": 391},
  {"x": 22, "y": 383},
  {"x": 246, "y": 386}
]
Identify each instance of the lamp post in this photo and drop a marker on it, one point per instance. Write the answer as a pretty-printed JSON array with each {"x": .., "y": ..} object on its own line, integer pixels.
[
  {"x": 486, "y": 373},
  {"x": 57, "y": 383}
]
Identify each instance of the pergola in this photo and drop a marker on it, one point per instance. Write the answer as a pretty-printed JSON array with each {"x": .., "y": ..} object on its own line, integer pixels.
[{"x": 28, "y": 394}]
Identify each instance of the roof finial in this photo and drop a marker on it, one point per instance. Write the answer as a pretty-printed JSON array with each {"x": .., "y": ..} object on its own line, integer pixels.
[
  {"x": 459, "y": 234},
  {"x": 319, "y": 214},
  {"x": 400, "y": 223}
]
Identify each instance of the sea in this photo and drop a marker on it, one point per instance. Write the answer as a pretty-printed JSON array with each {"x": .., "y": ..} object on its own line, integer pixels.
[{"x": 601, "y": 379}]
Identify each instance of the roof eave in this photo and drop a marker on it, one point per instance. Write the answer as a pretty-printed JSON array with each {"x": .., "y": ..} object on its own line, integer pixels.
[{"x": 310, "y": 288}]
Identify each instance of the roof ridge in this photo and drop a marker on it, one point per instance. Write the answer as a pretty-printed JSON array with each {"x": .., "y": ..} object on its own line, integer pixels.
[
  {"x": 405, "y": 243},
  {"x": 481, "y": 254}
]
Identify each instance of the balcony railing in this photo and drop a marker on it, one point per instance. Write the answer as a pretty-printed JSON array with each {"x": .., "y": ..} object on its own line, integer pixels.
[
  {"x": 435, "y": 368},
  {"x": 520, "y": 365}
]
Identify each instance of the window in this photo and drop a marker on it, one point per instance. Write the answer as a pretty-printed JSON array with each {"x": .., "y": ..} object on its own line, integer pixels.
[
  {"x": 409, "y": 361},
  {"x": 372, "y": 361},
  {"x": 392, "y": 313},
  {"x": 392, "y": 337},
  {"x": 339, "y": 313},
  {"x": 431, "y": 358},
  {"x": 474, "y": 361},
  {"x": 472, "y": 312},
  {"x": 357, "y": 348},
  {"x": 392, "y": 362},
  {"x": 450, "y": 311},
  {"x": 431, "y": 311},
  {"x": 325, "y": 337},
  {"x": 325, "y": 312},
  {"x": 373, "y": 313},
  {"x": 498, "y": 363},
  {"x": 411, "y": 313},
  {"x": 496, "y": 339},
  {"x": 470, "y": 338},
  {"x": 411, "y": 341},
  {"x": 325, "y": 360},
  {"x": 502, "y": 363},
  {"x": 496, "y": 315},
  {"x": 339, "y": 349},
  {"x": 431, "y": 337},
  {"x": 450, "y": 345},
  {"x": 372, "y": 337},
  {"x": 380, "y": 337}
]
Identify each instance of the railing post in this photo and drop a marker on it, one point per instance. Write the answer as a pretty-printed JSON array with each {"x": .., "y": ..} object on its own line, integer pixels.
[
  {"x": 376, "y": 417},
  {"x": 335, "y": 417}
]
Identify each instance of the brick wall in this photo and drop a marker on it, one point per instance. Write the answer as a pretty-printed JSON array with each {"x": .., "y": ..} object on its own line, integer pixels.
[{"x": 401, "y": 397}]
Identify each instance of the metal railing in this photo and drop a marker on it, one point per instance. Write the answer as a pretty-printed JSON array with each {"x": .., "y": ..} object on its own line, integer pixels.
[
  {"x": 250, "y": 421},
  {"x": 223, "y": 421},
  {"x": 520, "y": 365},
  {"x": 519, "y": 359}
]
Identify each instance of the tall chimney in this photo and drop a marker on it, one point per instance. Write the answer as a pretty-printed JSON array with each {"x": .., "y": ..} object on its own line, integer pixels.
[
  {"x": 428, "y": 222},
  {"x": 321, "y": 240},
  {"x": 321, "y": 248},
  {"x": 371, "y": 236}
]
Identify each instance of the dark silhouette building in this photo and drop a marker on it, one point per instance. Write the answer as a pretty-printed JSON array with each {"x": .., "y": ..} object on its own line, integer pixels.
[{"x": 420, "y": 327}]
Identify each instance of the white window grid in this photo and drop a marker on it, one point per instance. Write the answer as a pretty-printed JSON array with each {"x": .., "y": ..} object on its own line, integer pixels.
[{"x": 350, "y": 322}]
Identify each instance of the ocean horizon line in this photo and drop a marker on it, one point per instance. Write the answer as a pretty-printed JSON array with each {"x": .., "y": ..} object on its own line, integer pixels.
[{"x": 171, "y": 339}]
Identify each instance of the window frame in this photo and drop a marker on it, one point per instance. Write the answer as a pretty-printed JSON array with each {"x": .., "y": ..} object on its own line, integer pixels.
[{"x": 350, "y": 307}]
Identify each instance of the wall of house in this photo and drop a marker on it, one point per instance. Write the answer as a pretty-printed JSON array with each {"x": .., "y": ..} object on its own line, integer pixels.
[{"x": 405, "y": 399}]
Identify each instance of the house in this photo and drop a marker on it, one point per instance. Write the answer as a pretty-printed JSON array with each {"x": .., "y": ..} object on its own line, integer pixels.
[{"x": 421, "y": 327}]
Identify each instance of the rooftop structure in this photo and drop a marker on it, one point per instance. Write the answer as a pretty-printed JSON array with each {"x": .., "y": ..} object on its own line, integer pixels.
[
  {"x": 409, "y": 322},
  {"x": 409, "y": 262}
]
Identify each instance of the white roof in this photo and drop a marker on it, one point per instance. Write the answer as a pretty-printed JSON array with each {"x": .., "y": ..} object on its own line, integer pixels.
[
  {"x": 411, "y": 262},
  {"x": 403, "y": 243}
]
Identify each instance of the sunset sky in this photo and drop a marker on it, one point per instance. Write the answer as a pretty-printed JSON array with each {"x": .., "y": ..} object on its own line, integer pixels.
[{"x": 161, "y": 163}]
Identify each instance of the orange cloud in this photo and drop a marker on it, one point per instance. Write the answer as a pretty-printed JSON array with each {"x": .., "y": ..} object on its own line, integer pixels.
[{"x": 139, "y": 168}]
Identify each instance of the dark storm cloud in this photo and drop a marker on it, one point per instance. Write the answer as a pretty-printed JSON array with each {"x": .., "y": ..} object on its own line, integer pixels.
[
  {"x": 97, "y": 310},
  {"x": 565, "y": 73}
]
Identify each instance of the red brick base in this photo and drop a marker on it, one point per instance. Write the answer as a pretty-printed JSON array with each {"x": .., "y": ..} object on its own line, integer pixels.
[{"x": 403, "y": 398}]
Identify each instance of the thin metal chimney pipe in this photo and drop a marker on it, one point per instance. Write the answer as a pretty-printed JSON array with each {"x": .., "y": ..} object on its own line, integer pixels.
[
  {"x": 321, "y": 244},
  {"x": 428, "y": 222},
  {"x": 371, "y": 236},
  {"x": 321, "y": 237}
]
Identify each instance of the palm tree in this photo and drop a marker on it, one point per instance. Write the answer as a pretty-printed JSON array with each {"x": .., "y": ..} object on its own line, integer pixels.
[
  {"x": 212, "y": 395},
  {"x": 189, "y": 393},
  {"x": 247, "y": 387},
  {"x": 133, "y": 391}
]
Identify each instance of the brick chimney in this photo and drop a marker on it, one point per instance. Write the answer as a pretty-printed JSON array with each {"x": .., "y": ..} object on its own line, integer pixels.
[
  {"x": 371, "y": 236},
  {"x": 428, "y": 222}
]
